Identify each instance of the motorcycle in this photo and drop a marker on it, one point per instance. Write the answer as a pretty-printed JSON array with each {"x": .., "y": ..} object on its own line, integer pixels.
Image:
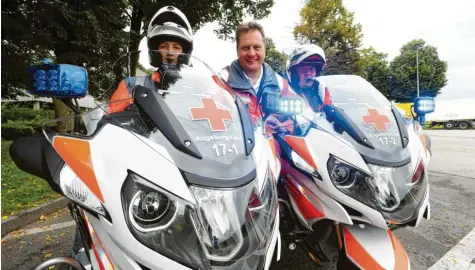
[
  {"x": 351, "y": 174},
  {"x": 181, "y": 178}
]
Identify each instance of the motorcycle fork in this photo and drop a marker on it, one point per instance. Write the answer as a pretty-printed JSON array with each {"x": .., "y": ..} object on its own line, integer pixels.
[{"x": 81, "y": 225}]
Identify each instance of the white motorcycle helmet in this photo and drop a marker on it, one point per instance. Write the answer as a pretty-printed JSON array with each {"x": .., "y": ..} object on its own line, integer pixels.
[
  {"x": 304, "y": 55},
  {"x": 169, "y": 23}
]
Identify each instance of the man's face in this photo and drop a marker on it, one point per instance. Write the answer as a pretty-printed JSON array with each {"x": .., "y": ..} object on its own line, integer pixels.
[
  {"x": 170, "y": 51},
  {"x": 251, "y": 51},
  {"x": 306, "y": 75}
]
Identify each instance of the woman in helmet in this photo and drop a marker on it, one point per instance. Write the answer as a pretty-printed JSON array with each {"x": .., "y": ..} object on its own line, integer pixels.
[
  {"x": 304, "y": 64},
  {"x": 169, "y": 41}
]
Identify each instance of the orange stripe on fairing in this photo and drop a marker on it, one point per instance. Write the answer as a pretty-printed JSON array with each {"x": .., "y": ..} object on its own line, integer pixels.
[
  {"x": 357, "y": 253},
  {"x": 299, "y": 145},
  {"x": 77, "y": 154},
  {"x": 274, "y": 152},
  {"x": 400, "y": 255},
  {"x": 302, "y": 200}
]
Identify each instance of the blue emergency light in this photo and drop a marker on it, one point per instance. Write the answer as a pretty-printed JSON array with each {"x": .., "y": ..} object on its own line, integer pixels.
[
  {"x": 58, "y": 80},
  {"x": 291, "y": 105},
  {"x": 424, "y": 105}
]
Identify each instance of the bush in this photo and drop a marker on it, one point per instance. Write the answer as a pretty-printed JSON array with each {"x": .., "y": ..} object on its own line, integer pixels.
[
  {"x": 21, "y": 190},
  {"x": 20, "y": 121}
]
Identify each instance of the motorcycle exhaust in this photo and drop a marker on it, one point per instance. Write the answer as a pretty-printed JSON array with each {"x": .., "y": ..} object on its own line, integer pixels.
[{"x": 60, "y": 260}]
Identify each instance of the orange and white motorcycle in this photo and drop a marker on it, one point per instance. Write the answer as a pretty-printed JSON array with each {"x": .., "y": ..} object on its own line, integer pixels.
[
  {"x": 182, "y": 178},
  {"x": 350, "y": 174}
]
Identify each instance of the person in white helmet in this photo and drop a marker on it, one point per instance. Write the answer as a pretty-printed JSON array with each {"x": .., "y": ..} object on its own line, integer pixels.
[
  {"x": 304, "y": 64},
  {"x": 170, "y": 42}
]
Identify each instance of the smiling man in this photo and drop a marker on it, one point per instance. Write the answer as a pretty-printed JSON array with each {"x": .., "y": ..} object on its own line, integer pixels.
[{"x": 249, "y": 75}]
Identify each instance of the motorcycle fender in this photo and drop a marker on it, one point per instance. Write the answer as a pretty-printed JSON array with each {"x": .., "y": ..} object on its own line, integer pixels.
[
  {"x": 370, "y": 247},
  {"x": 424, "y": 211},
  {"x": 274, "y": 245}
]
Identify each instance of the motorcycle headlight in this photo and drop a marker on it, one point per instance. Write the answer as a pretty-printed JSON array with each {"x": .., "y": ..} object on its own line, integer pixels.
[
  {"x": 401, "y": 191},
  {"x": 161, "y": 221},
  {"x": 232, "y": 221},
  {"x": 394, "y": 191},
  {"x": 226, "y": 225},
  {"x": 351, "y": 181}
]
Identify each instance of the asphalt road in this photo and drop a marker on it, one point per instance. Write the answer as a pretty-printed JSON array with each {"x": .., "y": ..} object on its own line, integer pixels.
[{"x": 452, "y": 199}]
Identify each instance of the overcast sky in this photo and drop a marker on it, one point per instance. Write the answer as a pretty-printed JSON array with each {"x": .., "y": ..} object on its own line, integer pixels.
[{"x": 387, "y": 25}]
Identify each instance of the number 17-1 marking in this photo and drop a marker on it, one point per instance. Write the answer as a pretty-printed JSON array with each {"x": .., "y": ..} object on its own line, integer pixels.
[{"x": 224, "y": 149}]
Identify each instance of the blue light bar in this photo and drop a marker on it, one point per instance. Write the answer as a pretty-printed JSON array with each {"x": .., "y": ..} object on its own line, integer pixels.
[
  {"x": 58, "y": 80},
  {"x": 424, "y": 105}
]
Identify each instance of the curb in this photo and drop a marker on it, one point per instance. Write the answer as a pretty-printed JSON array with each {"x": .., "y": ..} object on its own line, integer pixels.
[{"x": 28, "y": 216}]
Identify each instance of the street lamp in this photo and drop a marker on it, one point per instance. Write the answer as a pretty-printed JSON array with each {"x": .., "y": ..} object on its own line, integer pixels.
[
  {"x": 417, "y": 64},
  {"x": 417, "y": 47}
]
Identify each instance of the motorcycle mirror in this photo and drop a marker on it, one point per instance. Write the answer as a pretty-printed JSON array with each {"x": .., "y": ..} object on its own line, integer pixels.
[
  {"x": 275, "y": 103},
  {"x": 58, "y": 80}
]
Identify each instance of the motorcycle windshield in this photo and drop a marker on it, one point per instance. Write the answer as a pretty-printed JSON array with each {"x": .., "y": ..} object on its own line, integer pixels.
[
  {"x": 363, "y": 118},
  {"x": 371, "y": 116},
  {"x": 191, "y": 112}
]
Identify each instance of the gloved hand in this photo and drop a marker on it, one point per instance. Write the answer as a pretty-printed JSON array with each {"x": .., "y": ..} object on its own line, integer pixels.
[{"x": 278, "y": 126}]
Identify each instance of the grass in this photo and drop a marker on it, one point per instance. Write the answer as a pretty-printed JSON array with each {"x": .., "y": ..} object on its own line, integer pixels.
[{"x": 21, "y": 190}]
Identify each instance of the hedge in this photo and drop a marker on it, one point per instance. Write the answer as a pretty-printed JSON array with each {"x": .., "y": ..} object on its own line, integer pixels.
[{"x": 20, "y": 121}]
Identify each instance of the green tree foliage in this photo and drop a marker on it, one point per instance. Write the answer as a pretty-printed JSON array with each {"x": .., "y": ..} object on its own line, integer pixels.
[
  {"x": 19, "y": 48},
  {"x": 275, "y": 58},
  {"x": 328, "y": 24},
  {"x": 375, "y": 69},
  {"x": 432, "y": 72}
]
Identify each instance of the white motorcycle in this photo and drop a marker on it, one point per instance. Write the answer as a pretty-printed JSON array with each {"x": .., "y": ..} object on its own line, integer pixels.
[
  {"x": 182, "y": 178},
  {"x": 350, "y": 174}
]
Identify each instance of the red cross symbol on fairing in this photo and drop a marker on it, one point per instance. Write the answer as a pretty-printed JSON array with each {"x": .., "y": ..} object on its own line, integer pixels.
[
  {"x": 212, "y": 113},
  {"x": 378, "y": 120}
]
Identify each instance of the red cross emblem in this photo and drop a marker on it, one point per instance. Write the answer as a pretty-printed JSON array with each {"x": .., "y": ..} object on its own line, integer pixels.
[
  {"x": 378, "y": 120},
  {"x": 212, "y": 113}
]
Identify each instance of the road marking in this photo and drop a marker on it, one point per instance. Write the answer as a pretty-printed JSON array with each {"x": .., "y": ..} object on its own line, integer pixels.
[
  {"x": 451, "y": 174},
  {"x": 40, "y": 230},
  {"x": 459, "y": 257}
]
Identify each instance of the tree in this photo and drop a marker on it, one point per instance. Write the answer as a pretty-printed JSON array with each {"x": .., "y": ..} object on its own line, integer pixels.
[
  {"x": 375, "y": 69},
  {"x": 18, "y": 48},
  {"x": 328, "y": 24},
  {"x": 432, "y": 72},
  {"x": 275, "y": 58},
  {"x": 83, "y": 33}
]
